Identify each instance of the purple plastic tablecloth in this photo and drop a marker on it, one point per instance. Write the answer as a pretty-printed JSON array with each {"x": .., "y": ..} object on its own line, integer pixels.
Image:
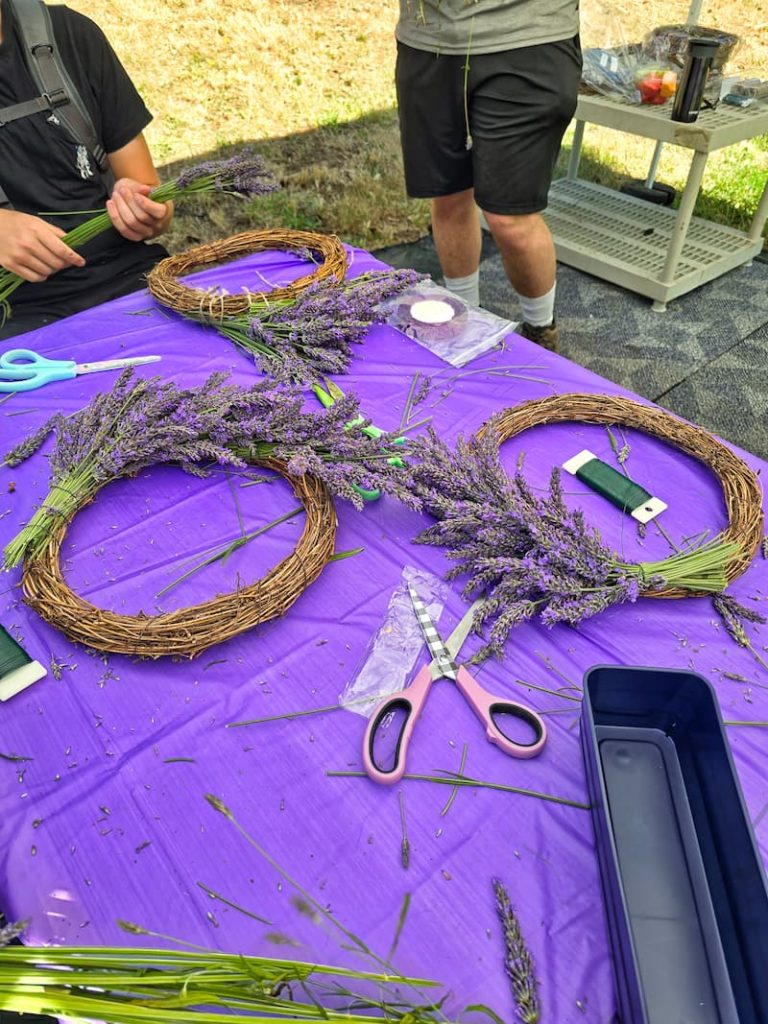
[{"x": 107, "y": 819}]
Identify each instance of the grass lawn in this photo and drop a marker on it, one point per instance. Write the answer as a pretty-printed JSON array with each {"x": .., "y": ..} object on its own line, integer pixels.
[{"x": 310, "y": 82}]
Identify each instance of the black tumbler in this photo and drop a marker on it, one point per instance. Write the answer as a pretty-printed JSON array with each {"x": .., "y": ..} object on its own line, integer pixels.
[{"x": 690, "y": 89}]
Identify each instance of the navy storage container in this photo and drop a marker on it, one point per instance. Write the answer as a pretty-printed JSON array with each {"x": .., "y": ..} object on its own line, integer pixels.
[{"x": 683, "y": 884}]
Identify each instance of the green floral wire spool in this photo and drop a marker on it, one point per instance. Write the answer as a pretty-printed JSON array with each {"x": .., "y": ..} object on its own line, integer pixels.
[
  {"x": 742, "y": 493},
  {"x": 214, "y": 304},
  {"x": 187, "y": 632}
]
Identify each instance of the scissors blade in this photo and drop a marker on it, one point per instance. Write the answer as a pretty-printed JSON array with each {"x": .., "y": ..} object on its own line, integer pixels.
[
  {"x": 115, "y": 364},
  {"x": 441, "y": 656},
  {"x": 455, "y": 641}
]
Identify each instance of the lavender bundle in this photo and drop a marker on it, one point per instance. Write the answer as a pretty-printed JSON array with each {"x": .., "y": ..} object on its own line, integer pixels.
[
  {"x": 309, "y": 337},
  {"x": 243, "y": 174},
  {"x": 533, "y": 556},
  {"x": 146, "y": 421}
]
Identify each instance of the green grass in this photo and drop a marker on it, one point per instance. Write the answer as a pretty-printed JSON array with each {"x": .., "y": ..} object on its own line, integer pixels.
[{"x": 310, "y": 83}]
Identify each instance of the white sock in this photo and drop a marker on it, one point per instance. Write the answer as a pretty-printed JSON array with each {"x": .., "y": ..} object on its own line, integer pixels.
[
  {"x": 467, "y": 288},
  {"x": 539, "y": 312}
]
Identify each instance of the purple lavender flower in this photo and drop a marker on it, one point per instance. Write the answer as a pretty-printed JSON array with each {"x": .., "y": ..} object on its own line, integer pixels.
[
  {"x": 311, "y": 336},
  {"x": 244, "y": 174},
  {"x": 518, "y": 962},
  {"x": 149, "y": 420},
  {"x": 526, "y": 555},
  {"x": 734, "y": 615}
]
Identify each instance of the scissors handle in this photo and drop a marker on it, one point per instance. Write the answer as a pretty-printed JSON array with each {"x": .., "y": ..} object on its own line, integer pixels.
[
  {"x": 409, "y": 702},
  {"x": 21, "y": 369},
  {"x": 491, "y": 709}
]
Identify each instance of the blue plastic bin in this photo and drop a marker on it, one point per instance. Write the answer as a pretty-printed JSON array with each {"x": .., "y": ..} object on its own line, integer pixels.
[{"x": 684, "y": 889}]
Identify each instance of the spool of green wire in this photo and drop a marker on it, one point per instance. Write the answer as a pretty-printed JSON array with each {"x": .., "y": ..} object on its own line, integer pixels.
[
  {"x": 17, "y": 669},
  {"x": 618, "y": 489}
]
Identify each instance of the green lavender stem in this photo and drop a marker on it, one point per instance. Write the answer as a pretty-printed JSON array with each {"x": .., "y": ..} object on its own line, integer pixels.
[
  {"x": 702, "y": 569},
  {"x": 159, "y": 985},
  {"x": 61, "y": 503},
  {"x": 451, "y": 779}
]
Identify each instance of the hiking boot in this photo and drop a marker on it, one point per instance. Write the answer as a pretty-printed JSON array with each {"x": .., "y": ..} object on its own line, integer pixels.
[{"x": 548, "y": 336}]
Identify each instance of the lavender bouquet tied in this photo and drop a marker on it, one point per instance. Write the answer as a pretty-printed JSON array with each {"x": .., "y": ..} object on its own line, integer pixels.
[
  {"x": 148, "y": 420},
  {"x": 243, "y": 174},
  {"x": 532, "y": 556},
  {"x": 308, "y": 337}
]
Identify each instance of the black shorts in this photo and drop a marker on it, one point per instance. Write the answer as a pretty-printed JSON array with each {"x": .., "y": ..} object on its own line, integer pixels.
[
  {"x": 34, "y": 306},
  {"x": 519, "y": 103}
]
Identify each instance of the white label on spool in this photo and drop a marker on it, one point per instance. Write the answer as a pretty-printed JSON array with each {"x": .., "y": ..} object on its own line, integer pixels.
[{"x": 432, "y": 311}]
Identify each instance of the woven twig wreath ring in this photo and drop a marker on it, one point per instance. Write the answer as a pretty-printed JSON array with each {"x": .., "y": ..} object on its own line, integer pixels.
[
  {"x": 164, "y": 285},
  {"x": 188, "y": 631},
  {"x": 741, "y": 488}
]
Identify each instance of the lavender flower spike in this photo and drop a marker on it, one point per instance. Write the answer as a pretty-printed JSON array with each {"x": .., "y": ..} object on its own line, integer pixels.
[
  {"x": 244, "y": 174},
  {"x": 518, "y": 962}
]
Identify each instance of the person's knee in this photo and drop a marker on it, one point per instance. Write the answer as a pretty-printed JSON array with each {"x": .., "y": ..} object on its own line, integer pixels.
[
  {"x": 453, "y": 205},
  {"x": 514, "y": 232}
]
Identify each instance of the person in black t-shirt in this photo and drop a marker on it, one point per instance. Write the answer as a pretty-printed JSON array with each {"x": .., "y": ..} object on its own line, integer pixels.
[{"x": 45, "y": 174}]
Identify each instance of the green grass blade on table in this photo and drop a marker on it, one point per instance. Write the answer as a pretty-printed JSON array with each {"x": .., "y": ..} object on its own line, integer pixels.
[
  {"x": 243, "y": 174},
  {"x": 165, "y": 985},
  {"x": 453, "y": 779},
  {"x": 225, "y": 550},
  {"x": 354, "y": 942}
]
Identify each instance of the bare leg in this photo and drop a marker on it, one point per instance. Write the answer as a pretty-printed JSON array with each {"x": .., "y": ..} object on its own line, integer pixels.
[
  {"x": 456, "y": 232},
  {"x": 527, "y": 251}
]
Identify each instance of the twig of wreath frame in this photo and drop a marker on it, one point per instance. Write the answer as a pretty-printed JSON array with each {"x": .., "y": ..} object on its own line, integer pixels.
[
  {"x": 741, "y": 488},
  {"x": 188, "y": 631},
  {"x": 212, "y": 303}
]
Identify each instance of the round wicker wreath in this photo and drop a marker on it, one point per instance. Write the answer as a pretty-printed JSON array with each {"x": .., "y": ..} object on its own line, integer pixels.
[
  {"x": 741, "y": 488},
  {"x": 188, "y": 631},
  {"x": 164, "y": 285}
]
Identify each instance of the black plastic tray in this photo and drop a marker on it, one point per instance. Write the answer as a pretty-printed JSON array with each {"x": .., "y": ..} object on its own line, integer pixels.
[{"x": 683, "y": 885}]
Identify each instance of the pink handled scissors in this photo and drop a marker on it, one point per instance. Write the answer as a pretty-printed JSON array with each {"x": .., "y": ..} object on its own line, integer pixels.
[{"x": 490, "y": 709}]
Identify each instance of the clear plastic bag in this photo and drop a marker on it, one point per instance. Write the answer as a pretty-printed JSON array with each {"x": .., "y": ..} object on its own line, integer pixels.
[
  {"x": 648, "y": 71},
  {"x": 391, "y": 655},
  {"x": 444, "y": 324},
  {"x": 637, "y": 69},
  {"x": 627, "y": 73},
  {"x": 669, "y": 44}
]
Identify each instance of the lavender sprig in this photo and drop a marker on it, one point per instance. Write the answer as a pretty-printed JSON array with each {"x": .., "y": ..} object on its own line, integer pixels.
[
  {"x": 243, "y": 174},
  {"x": 518, "y": 961},
  {"x": 734, "y": 615},
  {"x": 311, "y": 336}
]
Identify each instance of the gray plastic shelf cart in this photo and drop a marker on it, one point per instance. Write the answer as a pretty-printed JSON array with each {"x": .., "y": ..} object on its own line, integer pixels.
[{"x": 653, "y": 250}]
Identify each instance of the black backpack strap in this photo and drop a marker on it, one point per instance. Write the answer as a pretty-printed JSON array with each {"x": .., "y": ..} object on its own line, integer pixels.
[{"x": 58, "y": 90}]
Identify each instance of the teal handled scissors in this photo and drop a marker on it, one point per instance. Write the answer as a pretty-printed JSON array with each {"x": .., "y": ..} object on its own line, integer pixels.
[
  {"x": 21, "y": 369},
  {"x": 494, "y": 712},
  {"x": 331, "y": 394}
]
